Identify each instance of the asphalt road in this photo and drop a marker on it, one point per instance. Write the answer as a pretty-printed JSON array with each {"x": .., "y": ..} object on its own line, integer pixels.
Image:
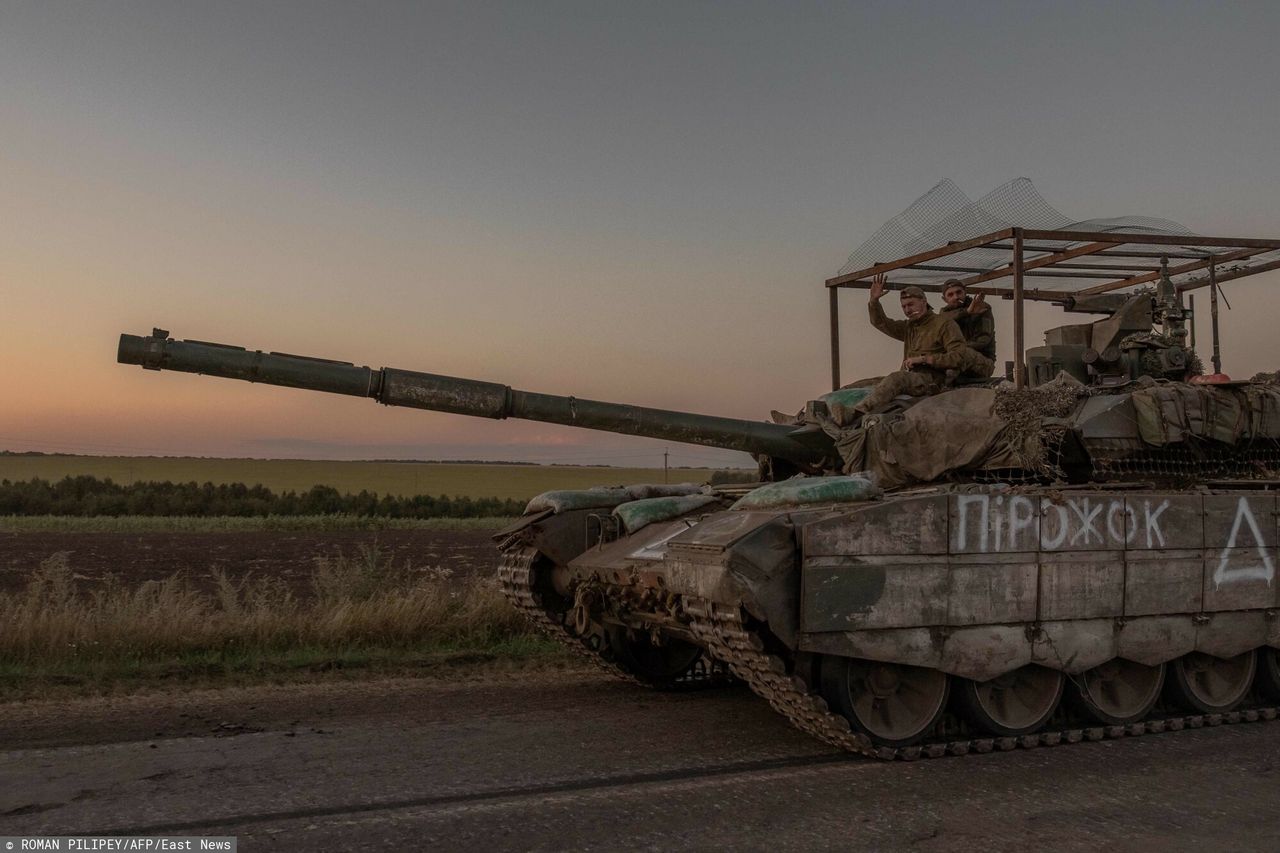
[{"x": 570, "y": 761}]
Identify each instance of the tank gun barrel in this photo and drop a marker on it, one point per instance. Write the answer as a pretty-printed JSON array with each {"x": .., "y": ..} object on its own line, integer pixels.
[{"x": 394, "y": 387}]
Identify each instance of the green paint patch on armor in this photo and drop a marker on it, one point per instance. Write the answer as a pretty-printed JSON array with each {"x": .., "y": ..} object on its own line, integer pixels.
[
  {"x": 847, "y": 397},
  {"x": 601, "y": 497},
  {"x": 638, "y": 514},
  {"x": 810, "y": 490}
]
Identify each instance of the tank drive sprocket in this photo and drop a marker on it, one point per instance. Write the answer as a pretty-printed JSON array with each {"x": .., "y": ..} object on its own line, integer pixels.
[{"x": 517, "y": 576}]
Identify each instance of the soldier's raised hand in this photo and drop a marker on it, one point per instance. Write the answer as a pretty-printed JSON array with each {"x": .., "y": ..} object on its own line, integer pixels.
[
  {"x": 977, "y": 304},
  {"x": 877, "y": 286}
]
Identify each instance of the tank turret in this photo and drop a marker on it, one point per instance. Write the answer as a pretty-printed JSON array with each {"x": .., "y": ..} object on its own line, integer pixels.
[{"x": 1143, "y": 334}]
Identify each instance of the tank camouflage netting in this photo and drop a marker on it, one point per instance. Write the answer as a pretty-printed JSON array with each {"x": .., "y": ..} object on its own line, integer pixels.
[{"x": 1024, "y": 412}]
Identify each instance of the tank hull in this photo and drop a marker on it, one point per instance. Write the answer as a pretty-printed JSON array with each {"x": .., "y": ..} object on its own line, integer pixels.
[{"x": 974, "y": 586}]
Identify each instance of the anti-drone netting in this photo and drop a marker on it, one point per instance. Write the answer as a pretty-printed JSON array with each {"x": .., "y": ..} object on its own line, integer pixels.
[{"x": 945, "y": 214}]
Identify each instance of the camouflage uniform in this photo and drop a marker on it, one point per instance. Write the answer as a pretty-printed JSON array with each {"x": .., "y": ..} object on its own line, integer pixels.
[
  {"x": 979, "y": 332},
  {"x": 933, "y": 335}
]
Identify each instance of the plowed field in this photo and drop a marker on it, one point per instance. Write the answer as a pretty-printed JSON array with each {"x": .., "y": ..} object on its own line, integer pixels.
[{"x": 289, "y": 555}]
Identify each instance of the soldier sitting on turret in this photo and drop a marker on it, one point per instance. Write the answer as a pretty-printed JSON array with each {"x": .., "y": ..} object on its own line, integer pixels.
[
  {"x": 931, "y": 345},
  {"x": 973, "y": 315}
]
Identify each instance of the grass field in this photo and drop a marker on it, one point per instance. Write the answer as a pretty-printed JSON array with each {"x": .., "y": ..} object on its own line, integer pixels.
[
  {"x": 386, "y": 478},
  {"x": 365, "y": 613},
  {"x": 235, "y": 524}
]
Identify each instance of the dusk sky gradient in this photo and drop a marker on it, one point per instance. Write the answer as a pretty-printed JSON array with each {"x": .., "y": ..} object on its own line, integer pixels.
[{"x": 634, "y": 202}]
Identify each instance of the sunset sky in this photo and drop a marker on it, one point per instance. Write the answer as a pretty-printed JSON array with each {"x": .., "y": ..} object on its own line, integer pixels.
[{"x": 620, "y": 201}]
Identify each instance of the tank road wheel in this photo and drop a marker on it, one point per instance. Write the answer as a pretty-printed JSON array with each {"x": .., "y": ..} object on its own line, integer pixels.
[
  {"x": 1119, "y": 691},
  {"x": 1013, "y": 704},
  {"x": 1269, "y": 673},
  {"x": 896, "y": 705},
  {"x": 1209, "y": 685},
  {"x": 656, "y": 665}
]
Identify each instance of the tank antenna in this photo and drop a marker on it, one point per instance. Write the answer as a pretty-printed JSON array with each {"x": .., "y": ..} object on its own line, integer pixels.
[{"x": 1213, "y": 315}]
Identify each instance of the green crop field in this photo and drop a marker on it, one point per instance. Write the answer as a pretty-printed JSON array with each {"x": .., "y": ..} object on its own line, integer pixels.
[{"x": 386, "y": 478}]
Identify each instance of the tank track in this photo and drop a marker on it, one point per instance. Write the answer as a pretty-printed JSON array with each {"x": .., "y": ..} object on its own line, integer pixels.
[
  {"x": 516, "y": 577},
  {"x": 729, "y": 638}
]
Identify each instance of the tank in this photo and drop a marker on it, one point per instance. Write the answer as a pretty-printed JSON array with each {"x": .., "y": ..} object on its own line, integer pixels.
[{"x": 990, "y": 568}]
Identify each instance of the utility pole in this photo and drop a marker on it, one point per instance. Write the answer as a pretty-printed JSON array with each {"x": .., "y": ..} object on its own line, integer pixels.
[{"x": 666, "y": 470}]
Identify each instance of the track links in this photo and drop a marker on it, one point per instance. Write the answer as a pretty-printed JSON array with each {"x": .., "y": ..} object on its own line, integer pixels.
[
  {"x": 515, "y": 576},
  {"x": 725, "y": 633}
]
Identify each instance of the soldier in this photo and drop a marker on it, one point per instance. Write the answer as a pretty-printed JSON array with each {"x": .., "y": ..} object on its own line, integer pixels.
[
  {"x": 973, "y": 315},
  {"x": 931, "y": 345}
]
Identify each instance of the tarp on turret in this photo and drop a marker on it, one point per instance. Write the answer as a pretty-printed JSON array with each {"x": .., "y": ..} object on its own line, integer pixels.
[{"x": 964, "y": 430}]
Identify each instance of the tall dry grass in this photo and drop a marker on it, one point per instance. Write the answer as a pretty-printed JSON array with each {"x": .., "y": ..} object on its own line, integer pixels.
[{"x": 368, "y": 602}]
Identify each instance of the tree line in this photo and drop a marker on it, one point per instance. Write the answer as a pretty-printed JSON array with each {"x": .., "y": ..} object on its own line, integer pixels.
[{"x": 88, "y": 496}]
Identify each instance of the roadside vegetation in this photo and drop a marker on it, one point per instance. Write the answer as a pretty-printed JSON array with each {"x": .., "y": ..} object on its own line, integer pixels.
[
  {"x": 64, "y": 633},
  {"x": 363, "y": 613},
  {"x": 91, "y": 497},
  {"x": 459, "y": 479}
]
